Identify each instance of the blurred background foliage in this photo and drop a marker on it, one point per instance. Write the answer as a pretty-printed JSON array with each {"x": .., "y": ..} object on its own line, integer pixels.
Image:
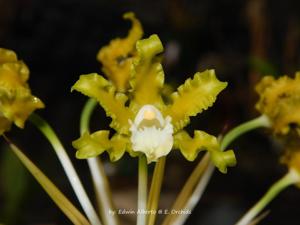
[{"x": 242, "y": 40}]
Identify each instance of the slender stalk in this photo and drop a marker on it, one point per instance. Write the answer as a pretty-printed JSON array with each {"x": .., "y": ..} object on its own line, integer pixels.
[
  {"x": 100, "y": 181},
  {"x": 261, "y": 121},
  {"x": 155, "y": 189},
  {"x": 142, "y": 191},
  {"x": 290, "y": 178},
  {"x": 196, "y": 195},
  {"x": 54, "y": 193},
  {"x": 195, "y": 185},
  {"x": 64, "y": 159},
  {"x": 187, "y": 189}
]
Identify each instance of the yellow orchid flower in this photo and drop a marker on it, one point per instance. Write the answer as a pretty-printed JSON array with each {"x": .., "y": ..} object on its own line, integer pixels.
[
  {"x": 280, "y": 102},
  {"x": 16, "y": 101},
  {"x": 144, "y": 122}
]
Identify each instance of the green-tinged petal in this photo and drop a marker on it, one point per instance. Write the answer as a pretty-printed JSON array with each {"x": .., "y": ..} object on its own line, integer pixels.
[
  {"x": 95, "y": 86},
  {"x": 119, "y": 144},
  {"x": 222, "y": 160},
  {"x": 117, "y": 57},
  {"x": 91, "y": 145},
  {"x": 17, "y": 103},
  {"x": 194, "y": 96},
  {"x": 191, "y": 146},
  {"x": 148, "y": 75}
]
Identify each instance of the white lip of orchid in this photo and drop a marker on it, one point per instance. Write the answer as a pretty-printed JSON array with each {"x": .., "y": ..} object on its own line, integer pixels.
[{"x": 151, "y": 133}]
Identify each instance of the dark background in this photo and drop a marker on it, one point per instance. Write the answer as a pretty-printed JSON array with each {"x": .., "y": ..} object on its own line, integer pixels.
[{"x": 242, "y": 40}]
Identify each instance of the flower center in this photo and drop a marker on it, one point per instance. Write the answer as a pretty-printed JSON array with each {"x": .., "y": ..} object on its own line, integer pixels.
[{"x": 151, "y": 133}]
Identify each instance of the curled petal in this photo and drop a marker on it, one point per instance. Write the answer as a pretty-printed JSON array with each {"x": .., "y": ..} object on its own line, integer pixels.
[
  {"x": 148, "y": 75},
  {"x": 117, "y": 57},
  {"x": 16, "y": 101},
  {"x": 190, "y": 147},
  {"x": 194, "y": 96},
  {"x": 280, "y": 101},
  {"x": 95, "y": 86},
  {"x": 91, "y": 145}
]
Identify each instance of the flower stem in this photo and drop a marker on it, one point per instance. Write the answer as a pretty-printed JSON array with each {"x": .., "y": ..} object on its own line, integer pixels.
[
  {"x": 188, "y": 189},
  {"x": 155, "y": 189},
  {"x": 100, "y": 181},
  {"x": 195, "y": 186},
  {"x": 261, "y": 121},
  {"x": 290, "y": 178},
  {"x": 142, "y": 191},
  {"x": 64, "y": 159},
  {"x": 54, "y": 193}
]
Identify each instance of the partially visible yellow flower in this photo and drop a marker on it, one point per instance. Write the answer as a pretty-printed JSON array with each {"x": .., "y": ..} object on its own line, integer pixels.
[
  {"x": 144, "y": 122},
  {"x": 16, "y": 101},
  {"x": 291, "y": 156},
  {"x": 280, "y": 102},
  {"x": 117, "y": 57}
]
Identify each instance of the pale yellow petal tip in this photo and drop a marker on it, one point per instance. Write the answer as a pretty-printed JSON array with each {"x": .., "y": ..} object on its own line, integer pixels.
[
  {"x": 149, "y": 47},
  {"x": 279, "y": 100},
  {"x": 17, "y": 102}
]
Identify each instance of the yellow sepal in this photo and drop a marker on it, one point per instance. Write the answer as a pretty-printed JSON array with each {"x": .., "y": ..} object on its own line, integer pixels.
[
  {"x": 117, "y": 57},
  {"x": 191, "y": 146},
  {"x": 194, "y": 96},
  {"x": 148, "y": 75},
  {"x": 95, "y": 86},
  {"x": 91, "y": 145}
]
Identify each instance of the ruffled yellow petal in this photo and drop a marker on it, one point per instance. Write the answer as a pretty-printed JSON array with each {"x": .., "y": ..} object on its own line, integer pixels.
[
  {"x": 16, "y": 101},
  {"x": 194, "y": 96},
  {"x": 91, "y": 145},
  {"x": 117, "y": 57},
  {"x": 148, "y": 76},
  {"x": 190, "y": 147},
  {"x": 280, "y": 101},
  {"x": 95, "y": 86}
]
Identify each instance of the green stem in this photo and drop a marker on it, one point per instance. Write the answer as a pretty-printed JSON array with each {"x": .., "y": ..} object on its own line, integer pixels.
[
  {"x": 187, "y": 190},
  {"x": 70, "y": 171},
  {"x": 100, "y": 181},
  {"x": 86, "y": 114},
  {"x": 142, "y": 191},
  {"x": 290, "y": 178},
  {"x": 155, "y": 189},
  {"x": 261, "y": 121}
]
